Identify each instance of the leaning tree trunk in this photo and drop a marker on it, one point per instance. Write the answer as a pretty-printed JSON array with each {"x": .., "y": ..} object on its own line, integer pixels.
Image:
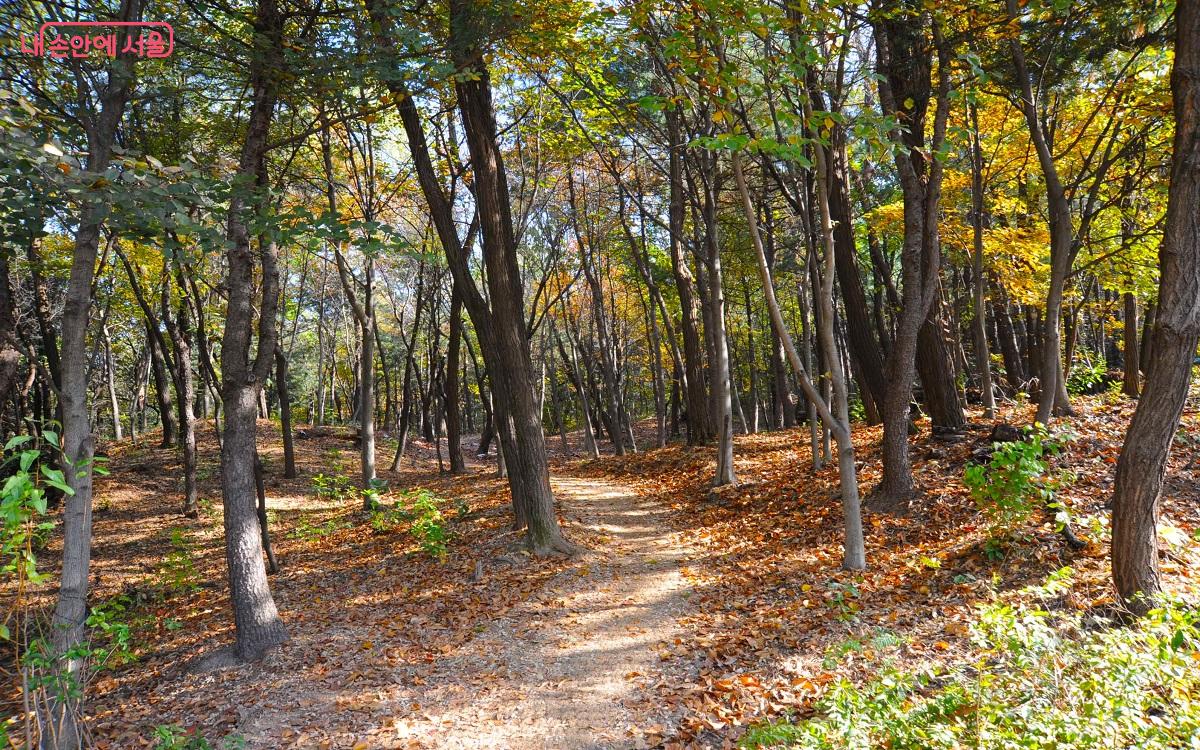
[
  {"x": 1175, "y": 335},
  {"x": 513, "y": 376}
]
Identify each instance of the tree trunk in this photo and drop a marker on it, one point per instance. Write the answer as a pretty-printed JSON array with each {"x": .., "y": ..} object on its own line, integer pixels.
[
  {"x": 1053, "y": 399},
  {"x": 936, "y": 370},
  {"x": 256, "y": 619},
  {"x": 685, "y": 284},
  {"x": 513, "y": 376},
  {"x": 983, "y": 359},
  {"x": 285, "y": 413},
  {"x": 905, "y": 59},
  {"x": 181, "y": 336},
  {"x": 1132, "y": 367},
  {"x": 110, "y": 372},
  {"x": 1176, "y": 333},
  {"x": 59, "y": 727},
  {"x": 453, "y": 414},
  {"x": 837, "y": 418}
]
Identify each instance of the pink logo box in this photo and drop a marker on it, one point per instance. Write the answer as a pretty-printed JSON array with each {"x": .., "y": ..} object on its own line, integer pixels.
[{"x": 154, "y": 39}]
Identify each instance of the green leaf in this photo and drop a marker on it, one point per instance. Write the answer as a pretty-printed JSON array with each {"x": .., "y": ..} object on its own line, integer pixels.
[{"x": 16, "y": 440}]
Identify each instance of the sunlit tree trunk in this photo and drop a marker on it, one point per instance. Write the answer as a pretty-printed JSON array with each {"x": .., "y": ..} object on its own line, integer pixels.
[{"x": 1175, "y": 335}]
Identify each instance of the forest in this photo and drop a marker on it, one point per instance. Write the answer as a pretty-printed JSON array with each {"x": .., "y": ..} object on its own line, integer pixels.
[{"x": 599, "y": 374}]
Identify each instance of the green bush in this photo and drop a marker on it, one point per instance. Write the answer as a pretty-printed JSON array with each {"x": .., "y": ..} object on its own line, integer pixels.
[
  {"x": 336, "y": 487},
  {"x": 178, "y": 574},
  {"x": 1087, "y": 375},
  {"x": 1035, "y": 680},
  {"x": 418, "y": 510},
  {"x": 1016, "y": 482},
  {"x": 306, "y": 530},
  {"x": 174, "y": 737}
]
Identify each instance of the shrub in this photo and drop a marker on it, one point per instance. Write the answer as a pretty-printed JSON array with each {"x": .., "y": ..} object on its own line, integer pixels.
[
  {"x": 178, "y": 574},
  {"x": 336, "y": 487},
  {"x": 418, "y": 509},
  {"x": 174, "y": 737},
  {"x": 1015, "y": 482},
  {"x": 1089, "y": 375},
  {"x": 1035, "y": 680},
  {"x": 306, "y": 530}
]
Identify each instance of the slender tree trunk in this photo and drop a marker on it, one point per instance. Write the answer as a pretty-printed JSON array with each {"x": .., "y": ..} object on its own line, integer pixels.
[
  {"x": 59, "y": 725},
  {"x": 983, "y": 359},
  {"x": 453, "y": 411},
  {"x": 1132, "y": 367},
  {"x": 533, "y": 500},
  {"x": 166, "y": 411},
  {"x": 110, "y": 373},
  {"x": 837, "y": 419},
  {"x": 685, "y": 284},
  {"x": 181, "y": 337},
  {"x": 722, "y": 376},
  {"x": 285, "y": 413},
  {"x": 1053, "y": 400},
  {"x": 1176, "y": 333}
]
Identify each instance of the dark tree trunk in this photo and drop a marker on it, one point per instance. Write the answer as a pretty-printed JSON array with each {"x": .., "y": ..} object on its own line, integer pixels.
[
  {"x": 285, "y": 413},
  {"x": 983, "y": 359},
  {"x": 166, "y": 410},
  {"x": 1148, "y": 321},
  {"x": 10, "y": 356},
  {"x": 500, "y": 325},
  {"x": 695, "y": 393},
  {"x": 1175, "y": 335},
  {"x": 860, "y": 340},
  {"x": 1014, "y": 368},
  {"x": 1132, "y": 366},
  {"x": 1053, "y": 399},
  {"x": 453, "y": 414},
  {"x": 936, "y": 370},
  {"x": 257, "y": 621},
  {"x": 904, "y": 43}
]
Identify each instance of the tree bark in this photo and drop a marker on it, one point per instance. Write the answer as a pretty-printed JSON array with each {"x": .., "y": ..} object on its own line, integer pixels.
[
  {"x": 285, "y": 413},
  {"x": 59, "y": 727},
  {"x": 1053, "y": 399},
  {"x": 695, "y": 394},
  {"x": 905, "y": 60},
  {"x": 1176, "y": 332},
  {"x": 1132, "y": 366},
  {"x": 256, "y": 619},
  {"x": 451, "y": 395},
  {"x": 983, "y": 359}
]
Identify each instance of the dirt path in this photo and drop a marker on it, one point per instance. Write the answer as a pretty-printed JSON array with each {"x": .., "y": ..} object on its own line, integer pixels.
[{"x": 562, "y": 670}]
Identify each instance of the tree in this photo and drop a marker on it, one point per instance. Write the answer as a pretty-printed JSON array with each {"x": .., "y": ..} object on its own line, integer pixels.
[
  {"x": 1174, "y": 338},
  {"x": 256, "y": 618},
  {"x": 100, "y": 119}
]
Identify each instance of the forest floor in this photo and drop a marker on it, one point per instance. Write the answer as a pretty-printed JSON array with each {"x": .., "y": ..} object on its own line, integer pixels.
[{"x": 689, "y": 615}]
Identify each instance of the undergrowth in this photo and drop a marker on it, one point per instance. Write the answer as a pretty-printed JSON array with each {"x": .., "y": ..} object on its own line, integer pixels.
[{"x": 1034, "y": 678}]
